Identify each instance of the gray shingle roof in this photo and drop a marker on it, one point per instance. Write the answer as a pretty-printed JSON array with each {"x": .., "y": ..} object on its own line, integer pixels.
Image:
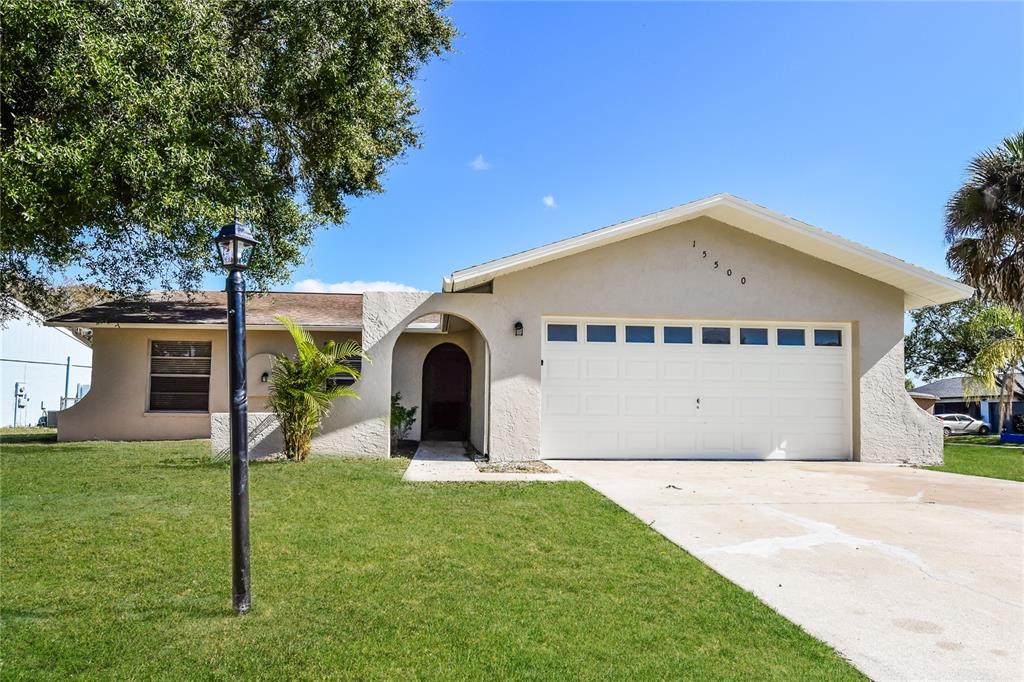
[
  {"x": 953, "y": 388},
  {"x": 209, "y": 307}
]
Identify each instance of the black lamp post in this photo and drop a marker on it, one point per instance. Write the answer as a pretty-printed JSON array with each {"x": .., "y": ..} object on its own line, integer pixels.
[{"x": 235, "y": 245}]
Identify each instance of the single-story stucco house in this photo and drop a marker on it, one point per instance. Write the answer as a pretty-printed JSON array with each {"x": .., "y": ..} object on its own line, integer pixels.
[{"x": 716, "y": 329}]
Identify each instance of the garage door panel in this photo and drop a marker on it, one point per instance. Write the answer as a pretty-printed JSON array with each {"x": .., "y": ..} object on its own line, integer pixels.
[
  {"x": 680, "y": 443},
  {"x": 598, "y": 405},
  {"x": 755, "y": 407},
  {"x": 755, "y": 372},
  {"x": 640, "y": 370},
  {"x": 791, "y": 407},
  {"x": 601, "y": 368},
  {"x": 717, "y": 442},
  {"x": 644, "y": 443},
  {"x": 716, "y": 370},
  {"x": 679, "y": 370},
  {"x": 828, "y": 407},
  {"x": 679, "y": 405},
  {"x": 794, "y": 372},
  {"x": 563, "y": 368},
  {"x": 556, "y": 404},
  {"x": 651, "y": 400},
  {"x": 754, "y": 443},
  {"x": 810, "y": 445},
  {"x": 603, "y": 442},
  {"x": 717, "y": 406},
  {"x": 641, "y": 405}
]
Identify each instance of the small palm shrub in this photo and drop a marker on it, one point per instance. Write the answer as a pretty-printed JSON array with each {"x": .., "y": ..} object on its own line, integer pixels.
[{"x": 303, "y": 387}]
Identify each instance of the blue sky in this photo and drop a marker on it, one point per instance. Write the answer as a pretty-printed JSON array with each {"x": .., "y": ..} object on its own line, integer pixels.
[{"x": 858, "y": 118}]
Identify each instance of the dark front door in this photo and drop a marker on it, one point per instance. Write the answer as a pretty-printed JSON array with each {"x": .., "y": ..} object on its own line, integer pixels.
[{"x": 446, "y": 376}]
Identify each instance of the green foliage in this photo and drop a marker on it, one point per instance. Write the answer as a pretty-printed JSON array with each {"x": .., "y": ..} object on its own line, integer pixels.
[
  {"x": 1000, "y": 360},
  {"x": 402, "y": 418},
  {"x": 946, "y": 338},
  {"x": 116, "y": 559},
  {"x": 132, "y": 129},
  {"x": 301, "y": 388},
  {"x": 985, "y": 224}
]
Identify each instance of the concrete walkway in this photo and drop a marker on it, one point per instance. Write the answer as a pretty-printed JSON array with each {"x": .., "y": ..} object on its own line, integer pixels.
[
  {"x": 447, "y": 462},
  {"x": 910, "y": 574}
]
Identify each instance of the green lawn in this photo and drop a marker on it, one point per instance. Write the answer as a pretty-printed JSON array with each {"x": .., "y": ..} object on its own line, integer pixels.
[
  {"x": 115, "y": 564},
  {"x": 990, "y": 439},
  {"x": 982, "y": 460}
]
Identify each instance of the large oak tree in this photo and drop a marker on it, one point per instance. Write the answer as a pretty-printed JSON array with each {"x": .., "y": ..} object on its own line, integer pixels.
[{"x": 132, "y": 129}]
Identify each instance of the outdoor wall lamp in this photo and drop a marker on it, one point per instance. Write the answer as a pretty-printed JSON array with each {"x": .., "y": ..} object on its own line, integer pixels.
[
  {"x": 265, "y": 377},
  {"x": 519, "y": 328},
  {"x": 235, "y": 245}
]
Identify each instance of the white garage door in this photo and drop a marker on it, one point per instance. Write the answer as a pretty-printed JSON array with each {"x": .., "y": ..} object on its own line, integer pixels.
[{"x": 641, "y": 389}]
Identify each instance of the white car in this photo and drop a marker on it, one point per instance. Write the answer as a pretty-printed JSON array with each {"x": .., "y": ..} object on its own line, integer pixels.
[{"x": 960, "y": 424}]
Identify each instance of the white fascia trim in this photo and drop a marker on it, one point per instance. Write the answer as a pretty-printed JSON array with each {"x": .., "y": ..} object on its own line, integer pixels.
[{"x": 713, "y": 206}]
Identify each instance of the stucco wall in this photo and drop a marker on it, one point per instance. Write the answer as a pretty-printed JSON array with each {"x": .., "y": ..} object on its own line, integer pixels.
[
  {"x": 116, "y": 407},
  {"x": 663, "y": 274}
]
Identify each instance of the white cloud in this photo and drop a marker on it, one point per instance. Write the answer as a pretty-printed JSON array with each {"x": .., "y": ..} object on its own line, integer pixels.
[
  {"x": 548, "y": 201},
  {"x": 479, "y": 163},
  {"x": 356, "y": 286}
]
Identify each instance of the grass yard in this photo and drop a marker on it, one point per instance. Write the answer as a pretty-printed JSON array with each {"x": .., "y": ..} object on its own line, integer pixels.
[
  {"x": 115, "y": 564},
  {"x": 973, "y": 440},
  {"x": 982, "y": 460}
]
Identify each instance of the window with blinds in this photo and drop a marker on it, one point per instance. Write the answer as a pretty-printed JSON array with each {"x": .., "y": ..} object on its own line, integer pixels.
[
  {"x": 343, "y": 379},
  {"x": 179, "y": 376}
]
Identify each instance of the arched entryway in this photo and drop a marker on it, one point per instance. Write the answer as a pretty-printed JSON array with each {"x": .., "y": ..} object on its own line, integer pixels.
[{"x": 447, "y": 377}]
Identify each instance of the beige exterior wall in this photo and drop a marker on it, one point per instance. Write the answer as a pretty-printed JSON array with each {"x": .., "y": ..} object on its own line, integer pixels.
[
  {"x": 657, "y": 275},
  {"x": 118, "y": 407}
]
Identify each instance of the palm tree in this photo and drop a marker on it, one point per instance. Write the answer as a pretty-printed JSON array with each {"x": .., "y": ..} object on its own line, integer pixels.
[
  {"x": 1000, "y": 361},
  {"x": 302, "y": 388},
  {"x": 985, "y": 224}
]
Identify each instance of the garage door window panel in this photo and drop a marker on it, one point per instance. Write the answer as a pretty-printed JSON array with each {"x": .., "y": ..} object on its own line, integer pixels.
[
  {"x": 565, "y": 333},
  {"x": 791, "y": 337},
  {"x": 680, "y": 335},
  {"x": 753, "y": 336},
  {"x": 830, "y": 338},
  {"x": 600, "y": 333},
  {"x": 639, "y": 333},
  {"x": 716, "y": 336}
]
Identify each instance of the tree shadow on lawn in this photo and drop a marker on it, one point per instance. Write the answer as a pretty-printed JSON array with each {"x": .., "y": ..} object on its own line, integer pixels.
[
  {"x": 207, "y": 462},
  {"x": 21, "y": 437}
]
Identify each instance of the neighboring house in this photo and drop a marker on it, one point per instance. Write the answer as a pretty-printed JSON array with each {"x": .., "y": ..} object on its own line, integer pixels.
[
  {"x": 41, "y": 368},
  {"x": 716, "y": 329},
  {"x": 950, "y": 399}
]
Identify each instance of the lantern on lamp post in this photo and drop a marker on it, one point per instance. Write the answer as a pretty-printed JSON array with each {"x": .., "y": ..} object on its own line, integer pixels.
[{"x": 235, "y": 245}]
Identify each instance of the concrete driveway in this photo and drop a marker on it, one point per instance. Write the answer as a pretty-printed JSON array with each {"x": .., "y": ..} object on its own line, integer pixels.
[{"x": 910, "y": 574}]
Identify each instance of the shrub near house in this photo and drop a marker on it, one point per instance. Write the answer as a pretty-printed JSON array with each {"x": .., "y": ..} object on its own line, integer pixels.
[{"x": 303, "y": 387}]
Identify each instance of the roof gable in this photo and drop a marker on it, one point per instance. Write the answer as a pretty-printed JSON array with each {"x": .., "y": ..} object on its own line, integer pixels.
[{"x": 921, "y": 287}]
